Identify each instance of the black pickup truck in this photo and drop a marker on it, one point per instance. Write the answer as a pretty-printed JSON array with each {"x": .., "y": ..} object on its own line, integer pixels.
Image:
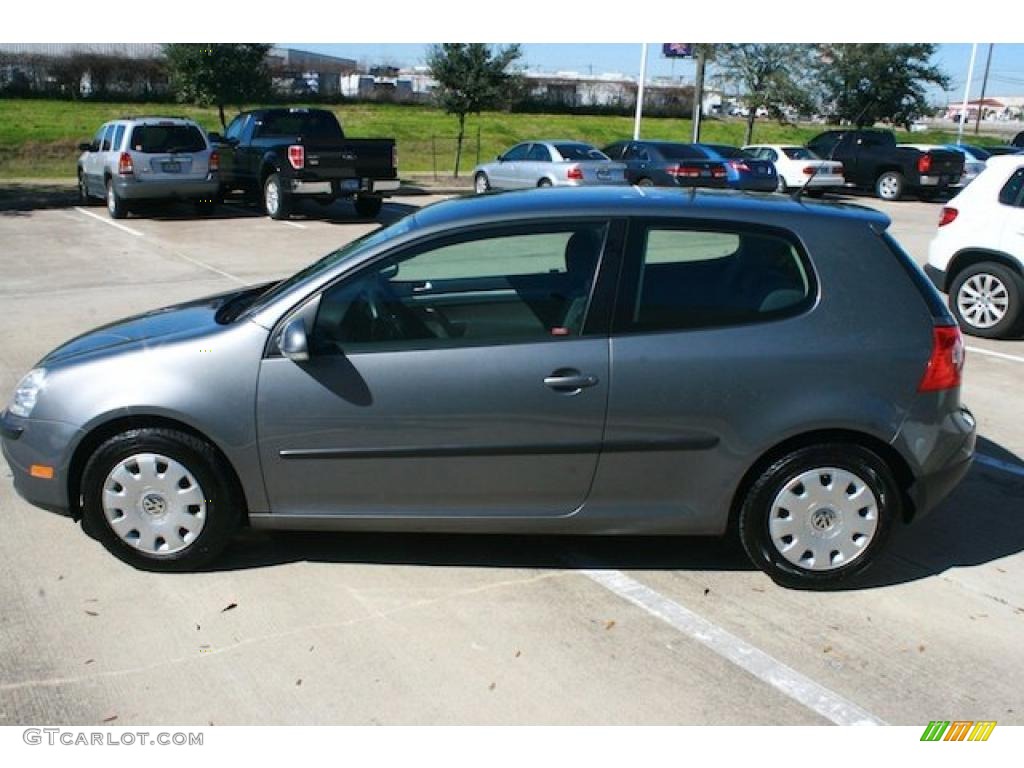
[
  {"x": 871, "y": 160},
  {"x": 1015, "y": 146},
  {"x": 281, "y": 155}
]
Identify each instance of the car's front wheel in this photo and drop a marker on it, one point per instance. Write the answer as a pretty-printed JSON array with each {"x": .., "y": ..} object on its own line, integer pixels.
[
  {"x": 84, "y": 198},
  {"x": 481, "y": 183},
  {"x": 819, "y": 514},
  {"x": 159, "y": 499},
  {"x": 987, "y": 299}
]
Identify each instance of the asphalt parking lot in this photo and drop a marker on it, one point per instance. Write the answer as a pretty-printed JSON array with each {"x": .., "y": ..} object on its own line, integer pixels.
[{"x": 414, "y": 629}]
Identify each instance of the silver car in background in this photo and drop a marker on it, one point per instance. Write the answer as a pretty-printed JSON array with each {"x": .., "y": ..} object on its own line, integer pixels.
[
  {"x": 557, "y": 163},
  {"x": 148, "y": 158}
]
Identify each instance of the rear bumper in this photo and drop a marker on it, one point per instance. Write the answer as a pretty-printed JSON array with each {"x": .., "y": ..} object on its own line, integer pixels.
[
  {"x": 28, "y": 442},
  {"x": 949, "y": 460},
  {"x": 335, "y": 187},
  {"x": 825, "y": 182},
  {"x": 938, "y": 181},
  {"x": 937, "y": 276},
  {"x": 765, "y": 184},
  {"x": 172, "y": 189}
]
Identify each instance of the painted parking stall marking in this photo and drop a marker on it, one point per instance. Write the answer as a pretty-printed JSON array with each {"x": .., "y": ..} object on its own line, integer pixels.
[
  {"x": 122, "y": 227},
  {"x": 766, "y": 668},
  {"x": 993, "y": 353}
]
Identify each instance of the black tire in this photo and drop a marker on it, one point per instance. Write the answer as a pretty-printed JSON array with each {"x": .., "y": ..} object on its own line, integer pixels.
[
  {"x": 117, "y": 207},
  {"x": 644, "y": 182},
  {"x": 368, "y": 206},
  {"x": 276, "y": 202},
  {"x": 756, "y": 511},
  {"x": 544, "y": 183},
  {"x": 889, "y": 185},
  {"x": 1013, "y": 289},
  {"x": 223, "y": 499},
  {"x": 481, "y": 183}
]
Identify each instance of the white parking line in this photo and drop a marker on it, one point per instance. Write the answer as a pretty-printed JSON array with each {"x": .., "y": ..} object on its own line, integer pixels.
[
  {"x": 294, "y": 224},
  {"x": 122, "y": 227},
  {"x": 204, "y": 265},
  {"x": 770, "y": 670},
  {"x": 1002, "y": 355},
  {"x": 1005, "y": 466}
]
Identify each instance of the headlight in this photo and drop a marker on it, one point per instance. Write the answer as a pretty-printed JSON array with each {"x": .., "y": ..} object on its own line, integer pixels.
[{"x": 27, "y": 392}]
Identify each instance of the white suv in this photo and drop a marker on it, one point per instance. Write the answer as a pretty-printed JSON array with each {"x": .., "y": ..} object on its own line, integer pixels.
[{"x": 977, "y": 256}]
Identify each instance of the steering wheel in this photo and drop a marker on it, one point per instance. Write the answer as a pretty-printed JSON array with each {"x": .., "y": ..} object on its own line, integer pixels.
[{"x": 389, "y": 314}]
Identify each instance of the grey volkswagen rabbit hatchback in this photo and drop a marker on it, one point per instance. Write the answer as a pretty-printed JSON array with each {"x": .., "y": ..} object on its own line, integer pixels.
[{"x": 597, "y": 361}]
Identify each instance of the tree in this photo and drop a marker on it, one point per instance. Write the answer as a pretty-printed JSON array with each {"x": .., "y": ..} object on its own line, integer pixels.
[
  {"x": 219, "y": 73},
  {"x": 774, "y": 77},
  {"x": 471, "y": 77},
  {"x": 866, "y": 83}
]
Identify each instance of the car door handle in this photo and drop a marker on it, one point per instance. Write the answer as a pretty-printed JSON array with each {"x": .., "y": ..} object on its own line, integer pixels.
[
  {"x": 422, "y": 287},
  {"x": 569, "y": 381}
]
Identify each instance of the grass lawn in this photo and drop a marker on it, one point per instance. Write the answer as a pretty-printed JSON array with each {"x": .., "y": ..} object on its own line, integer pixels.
[{"x": 38, "y": 138}]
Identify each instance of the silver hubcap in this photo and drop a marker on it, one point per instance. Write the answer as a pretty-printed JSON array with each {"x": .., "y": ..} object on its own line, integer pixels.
[
  {"x": 983, "y": 300},
  {"x": 154, "y": 503},
  {"x": 111, "y": 202},
  {"x": 273, "y": 197},
  {"x": 481, "y": 185},
  {"x": 889, "y": 187},
  {"x": 823, "y": 519}
]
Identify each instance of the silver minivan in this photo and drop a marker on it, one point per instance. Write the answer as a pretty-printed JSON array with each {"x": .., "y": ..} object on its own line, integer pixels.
[{"x": 148, "y": 158}]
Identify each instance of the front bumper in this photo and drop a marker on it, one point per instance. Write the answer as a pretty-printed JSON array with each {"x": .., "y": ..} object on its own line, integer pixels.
[
  {"x": 28, "y": 443},
  {"x": 170, "y": 189}
]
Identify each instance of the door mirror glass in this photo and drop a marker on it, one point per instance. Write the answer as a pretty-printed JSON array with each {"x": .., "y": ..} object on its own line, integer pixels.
[
  {"x": 500, "y": 158},
  {"x": 293, "y": 343}
]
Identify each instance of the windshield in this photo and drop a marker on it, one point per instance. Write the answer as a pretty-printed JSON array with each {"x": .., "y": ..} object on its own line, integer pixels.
[
  {"x": 167, "y": 138},
  {"x": 579, "y": 152},
  {"x": 800, "y": 153},
  {"x": 349, "y": 251}
]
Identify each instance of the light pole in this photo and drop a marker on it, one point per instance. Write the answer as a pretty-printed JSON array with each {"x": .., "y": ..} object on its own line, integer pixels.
[
  {"x": 967, "y": 93},
  {"x": 640, "y": 92},
  {"x": 984, "y": 85}
]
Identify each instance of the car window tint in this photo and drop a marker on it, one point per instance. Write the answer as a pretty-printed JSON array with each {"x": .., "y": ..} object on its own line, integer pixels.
[
  {"x": 539, "y": 153},
  {"x": 727, "y": 152},
  {"x": 698, "y": 278},
  {"x": 1010, "y": 194},
  {"x": 614, "y": 151},
  {"x": 108, "y": 135},
  {"x": 234, "y": 130},
  {"x": 517, "y": 152},
  {"x": 799, "y": 153},
  {"x": 308, "y": 125},
  {"x": 490, "y": 289},
  {"x": 679, "y": 152},
  {"x": 167, "y": 138},
  {"x": 579, "y": 152},
  {"x": 118, "y": 137}
]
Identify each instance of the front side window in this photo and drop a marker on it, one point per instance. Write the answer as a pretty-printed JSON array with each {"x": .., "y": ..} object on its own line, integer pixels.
[
  {"x": 539, "y": 153},
  {"x": 118, "y": 137},
  {"x": 481, "y": 289},
  {"x": 517, "y": 152},
  {"x": 692, "y": 278},
  {"x": 1010, "y": 194},
  {"x": 108, "y": 135},
  {"x": 234, "y": 130}
]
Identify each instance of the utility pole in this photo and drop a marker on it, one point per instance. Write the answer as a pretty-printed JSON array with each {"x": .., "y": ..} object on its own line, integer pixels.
[
  {"x": 698, "y": 94},
  {"x": 640, "y": 92},
  {"x": 967, "y": 93},
  {"x": 984, "y": 85}
]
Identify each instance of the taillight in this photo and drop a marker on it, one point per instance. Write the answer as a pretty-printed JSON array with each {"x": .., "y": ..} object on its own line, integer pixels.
[
  {"x": 394, "y": 156},
  {"x": 924, "y": 163},
  {"x": 297, "y": 156},
  {"x": 214, "y": 162},
  {"x": 948, "y": 215},
  {"x": 838, "y": 168},
  {"x": 809, "y": 170},
  {"x": 739, "y": 165},
  {"x": 575, "y": 173},
  {"x": 683, "y": 171},
  {"x": 946, "y": 361},
  {"x": 718, "y": 172},
  {"x": 125, "y": 166}
]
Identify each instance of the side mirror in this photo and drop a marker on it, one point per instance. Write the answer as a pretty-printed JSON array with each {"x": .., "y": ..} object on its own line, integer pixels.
[
  {"x": 86, "y": 146},
  {"x": 500, "y": 158},
  {"x": 293, "y": 344}
]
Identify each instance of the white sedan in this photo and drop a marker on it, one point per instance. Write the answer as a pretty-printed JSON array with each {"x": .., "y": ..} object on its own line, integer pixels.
[{"x": 800, "y": 167}]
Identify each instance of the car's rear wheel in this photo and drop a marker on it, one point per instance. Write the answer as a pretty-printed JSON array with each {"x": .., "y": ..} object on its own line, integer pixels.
[
  {"x": 644, "y": 182},
  {"x": 987, "y": 299},
  {"x": 819, "y": 515},
  {"x": 781, "y": 185},
  {"x": 368, "y": 206},
  {"x": 889, "y": 185},
  {"x": 159, "y": 499},
  {"x": 481, "y": 183},
  {"x": 276, "y": 202},
  {"x": 544, "y": 183},
  {"x": 117, "y": 207}
]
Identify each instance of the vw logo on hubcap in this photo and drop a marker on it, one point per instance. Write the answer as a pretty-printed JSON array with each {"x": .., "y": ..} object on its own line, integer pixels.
[
  {"x": 154, "y": 504},
  {"x": 823, "y": 519}
]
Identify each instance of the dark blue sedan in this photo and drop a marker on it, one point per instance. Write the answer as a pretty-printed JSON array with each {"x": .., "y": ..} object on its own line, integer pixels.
[{"x": 676, "y": 164}]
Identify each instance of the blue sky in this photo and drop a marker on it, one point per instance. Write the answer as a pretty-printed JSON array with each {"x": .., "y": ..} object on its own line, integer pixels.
[{"x": 1006, "y": 77}]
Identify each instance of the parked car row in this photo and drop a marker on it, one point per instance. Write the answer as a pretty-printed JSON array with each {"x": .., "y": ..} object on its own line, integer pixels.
[{"x": 277, "y": 156}]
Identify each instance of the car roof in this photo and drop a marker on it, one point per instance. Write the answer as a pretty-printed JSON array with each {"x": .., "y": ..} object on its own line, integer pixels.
[{"x": 633, "y": 201}]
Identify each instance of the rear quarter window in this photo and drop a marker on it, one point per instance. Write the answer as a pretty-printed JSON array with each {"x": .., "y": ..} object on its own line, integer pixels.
[
  {"x": 701, "y": 278},
  {"x": 1010, "y": 194}
]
